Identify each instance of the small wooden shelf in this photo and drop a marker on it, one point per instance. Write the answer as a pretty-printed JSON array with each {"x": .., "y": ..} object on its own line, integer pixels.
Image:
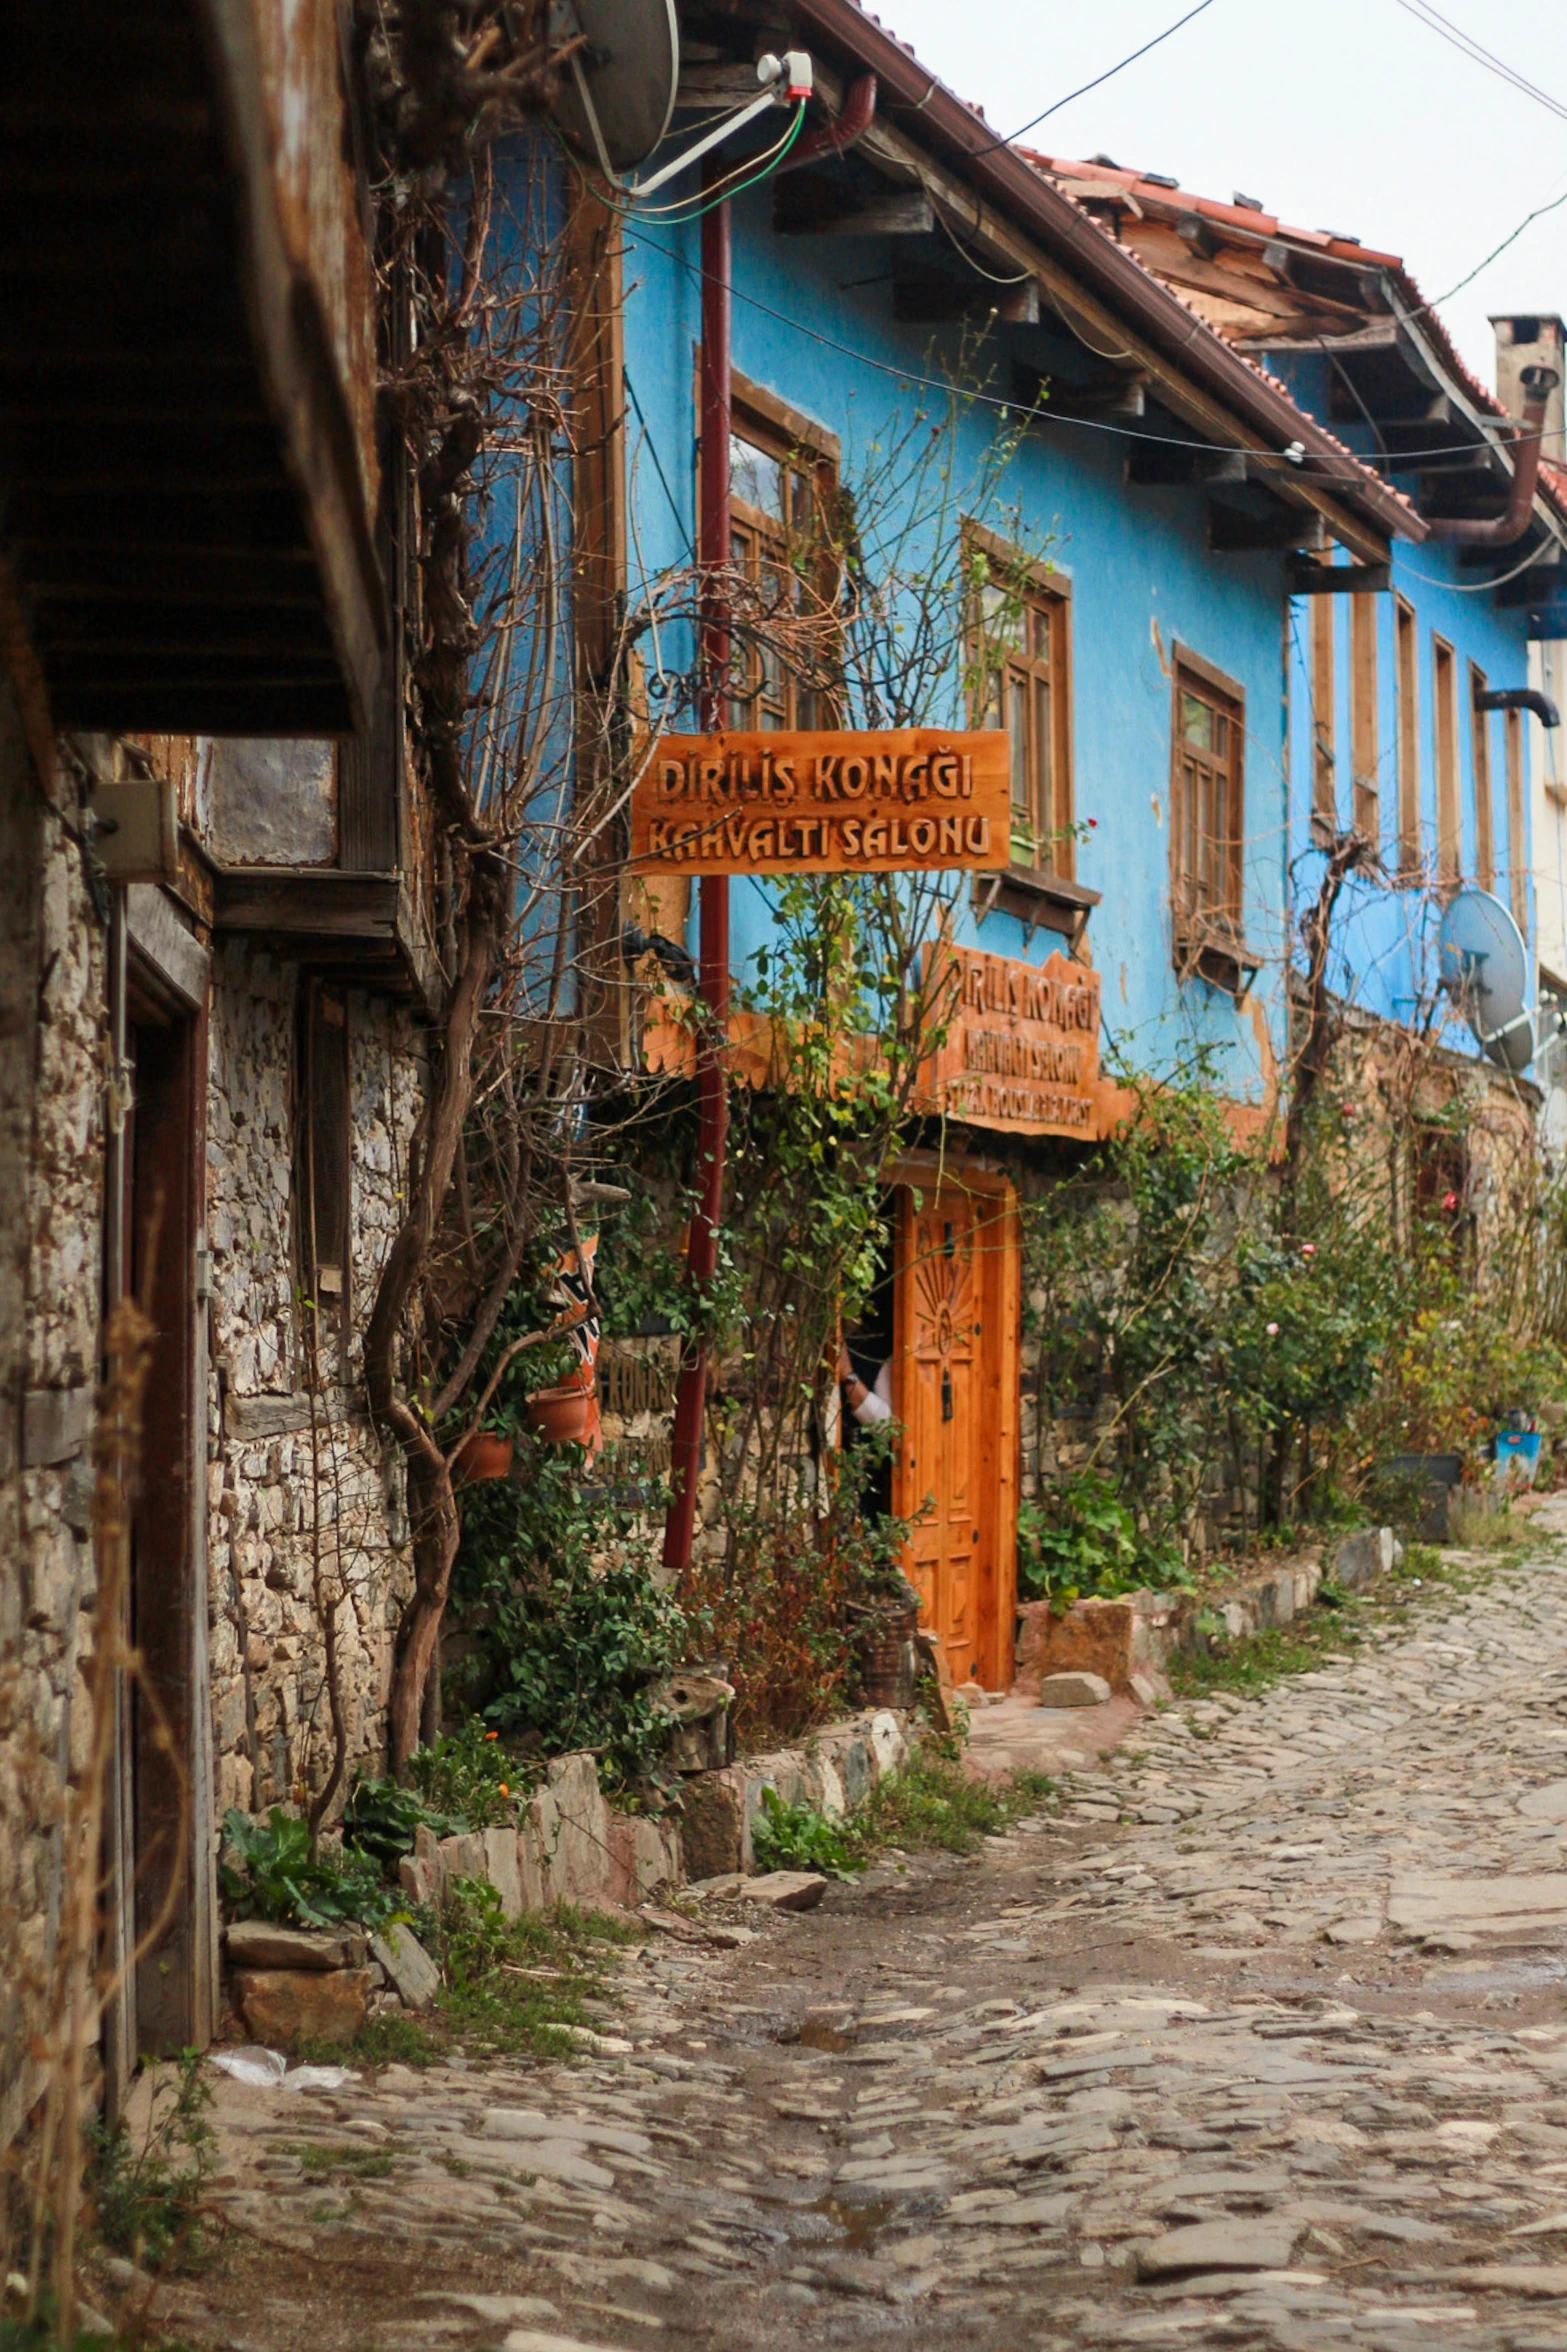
[
  {"x": 1214, "y": 951},
  {"x": 1040, "y": 900}
]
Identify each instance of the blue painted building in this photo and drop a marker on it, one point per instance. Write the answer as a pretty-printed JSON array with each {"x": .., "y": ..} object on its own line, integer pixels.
[
  {"x": 1396, "y": 694},
  {"x": 1153, "y": 508},
  {"x": 985, "y": 469}
]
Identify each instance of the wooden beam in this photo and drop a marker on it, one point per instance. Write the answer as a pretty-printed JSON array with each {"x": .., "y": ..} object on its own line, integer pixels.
[
  {"x": 1231, "y": 531},
  {"x": 1319, "y": 579},
  {"x": 904, "y": 213},
  {"x": 1100, "y": 327}
]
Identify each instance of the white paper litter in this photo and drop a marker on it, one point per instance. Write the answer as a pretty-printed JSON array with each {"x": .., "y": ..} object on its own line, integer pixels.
[
  {"x": 256, "y": 2066},
  {"x": 268, "y": 2070}
]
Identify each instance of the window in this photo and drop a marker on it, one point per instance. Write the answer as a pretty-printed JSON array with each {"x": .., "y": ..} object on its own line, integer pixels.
[
  {"x": 1324, "y": 730},
  {"x": 1480, "y": 749},
  {"x": 1023, "y": 666},
  {"x": 779, "y": 662},
  {"x": 1407, "y": 647},
  {"x": 1364, "y": 754},
  {"x": 1517, "y": 868},
  {"x": 323, "y": 1161},
  {"x": 1206, "y": 811},
  {"x": 1444, "y": 694}
]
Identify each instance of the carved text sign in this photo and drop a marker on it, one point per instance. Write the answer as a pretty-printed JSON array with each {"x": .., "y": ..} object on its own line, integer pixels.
[
  {"x": 1021, "y": 1049},
  {"x": 795, "y": 803}
]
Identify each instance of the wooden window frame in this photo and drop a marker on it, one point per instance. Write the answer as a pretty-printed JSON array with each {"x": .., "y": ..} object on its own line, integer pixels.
[
  {"x": 1444, "y": 740},
  {"x": 768, "y": 424},
  {"x": 1480, "y": 776},
  {"x": 1364, "y": 718},
  {"x": 1406, "y": 662},
  {"x": 1517, "y": 863},
  {"x": 1206, "y": 929},
  {"x": 323, "y": 1167},
  {"x": 1324, "y": 717},
  {"x": 1042, "y": 893},
  {"x": 1047, "y": 595}
]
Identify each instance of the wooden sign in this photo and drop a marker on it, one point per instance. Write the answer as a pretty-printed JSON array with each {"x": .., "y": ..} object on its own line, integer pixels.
[
  {"x": 1021, "y": 1049},
  {"x": 907, "y": 800}
]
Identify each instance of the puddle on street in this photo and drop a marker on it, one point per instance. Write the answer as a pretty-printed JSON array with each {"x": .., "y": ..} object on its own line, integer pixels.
[
  {"x": 860, "y": 2224},
  {"x": 814, "y": 2035}
]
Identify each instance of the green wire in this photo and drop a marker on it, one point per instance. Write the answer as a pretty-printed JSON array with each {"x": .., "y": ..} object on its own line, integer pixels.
[{"x": 676, "y": 217}]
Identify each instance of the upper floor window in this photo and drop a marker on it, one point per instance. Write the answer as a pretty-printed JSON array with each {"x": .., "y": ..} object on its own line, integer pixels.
[
  {"x": 1406, "y": 646},
  {"x": 780, "y": 664},
  {"x": 1021, "y": 655},
  {"x": 1480, "y": 768},
  {"x": 1444, "y": 697},
  {"x": 1207, "y": 821}
]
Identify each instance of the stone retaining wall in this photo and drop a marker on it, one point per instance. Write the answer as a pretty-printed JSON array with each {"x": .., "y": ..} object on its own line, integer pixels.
[
  {"x": 1130, "y": 1640},
  {"x": 572, "y": 1846}
]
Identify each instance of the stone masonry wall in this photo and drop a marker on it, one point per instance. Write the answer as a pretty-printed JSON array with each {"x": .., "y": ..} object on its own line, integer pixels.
[
  {"x": 51, "y": 1177},
  {"x": 304, "y": 1498}
]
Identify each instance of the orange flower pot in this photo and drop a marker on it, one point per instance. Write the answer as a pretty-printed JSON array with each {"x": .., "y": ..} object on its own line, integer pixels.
[
  {"x": 484, "y": 1455},
  {"x": 568, "y": 1415}
]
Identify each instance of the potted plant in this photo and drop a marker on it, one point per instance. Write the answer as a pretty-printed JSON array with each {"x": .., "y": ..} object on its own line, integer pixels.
[{"x": 484, "y": 1453}]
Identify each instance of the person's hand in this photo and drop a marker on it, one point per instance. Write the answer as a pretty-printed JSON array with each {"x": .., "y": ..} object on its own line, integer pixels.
[{"x": 845, "y": 1368}]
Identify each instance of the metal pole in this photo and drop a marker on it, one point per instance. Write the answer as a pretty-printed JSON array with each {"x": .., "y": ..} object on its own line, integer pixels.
[{"x": 712, "y": 1099}]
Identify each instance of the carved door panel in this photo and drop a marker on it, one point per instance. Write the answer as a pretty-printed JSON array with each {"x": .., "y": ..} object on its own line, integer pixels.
[{"x": 937, "y": 1309}]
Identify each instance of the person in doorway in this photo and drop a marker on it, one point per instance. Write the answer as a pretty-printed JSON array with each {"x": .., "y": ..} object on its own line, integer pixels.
[
  {"x": 869, "y": 1400},
  {"x": 865, "y": 1370}
]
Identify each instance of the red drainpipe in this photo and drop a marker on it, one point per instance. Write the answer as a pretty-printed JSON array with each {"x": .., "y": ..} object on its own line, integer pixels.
[{"x": 685, "y": 1453}]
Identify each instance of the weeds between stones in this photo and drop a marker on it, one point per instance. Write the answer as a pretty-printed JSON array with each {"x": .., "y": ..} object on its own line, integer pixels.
[
  {"x": 513, "y": 1985},
  {"x": 1340, "y": 1622}
]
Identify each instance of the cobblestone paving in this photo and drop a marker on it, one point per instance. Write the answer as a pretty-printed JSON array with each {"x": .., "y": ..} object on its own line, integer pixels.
[{"x": 1237, "y": 2048}]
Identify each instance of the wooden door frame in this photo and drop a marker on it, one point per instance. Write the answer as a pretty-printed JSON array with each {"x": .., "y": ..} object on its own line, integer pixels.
[
  {"x": 999, "y": 1256},
  {"x": 160, "y": 976}
]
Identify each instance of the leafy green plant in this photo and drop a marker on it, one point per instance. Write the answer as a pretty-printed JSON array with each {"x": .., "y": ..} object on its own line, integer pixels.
[
  {"x": 568, "y": 1629},
  {"x": 797, "y": 1837},
  {"x": 146, "y": 2200},
  {"x": 518, "y": 1984},
  {"x": 1082, "y": 1538},
  {"x": 267, "y": 1871},
  {"x": 469, "y": 1778},
  {"x": 932, "y": 1802},
  {"x": 380, "y": 1817}
]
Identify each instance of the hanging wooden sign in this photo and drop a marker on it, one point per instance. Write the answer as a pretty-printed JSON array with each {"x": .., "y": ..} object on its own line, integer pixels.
[
  {"x": 1020, "y": 1045},
  {"x": 906, "y": 800}
]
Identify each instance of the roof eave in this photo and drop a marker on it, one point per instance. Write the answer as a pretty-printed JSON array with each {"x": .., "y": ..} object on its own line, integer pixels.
[{"x": 1028, "y": 197}]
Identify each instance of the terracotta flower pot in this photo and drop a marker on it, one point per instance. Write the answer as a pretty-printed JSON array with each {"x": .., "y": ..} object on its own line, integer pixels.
[
  {"x": 568, "y": 1415},
  {"x": 484, "y": 1455}
]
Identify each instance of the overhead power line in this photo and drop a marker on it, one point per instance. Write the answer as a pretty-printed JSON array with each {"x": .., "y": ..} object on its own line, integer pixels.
[
  {"x": 1426, "y": 13},
  {"x": 1108, "y": 75}
]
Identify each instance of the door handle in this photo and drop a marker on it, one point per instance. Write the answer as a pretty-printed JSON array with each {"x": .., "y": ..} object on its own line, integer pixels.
[{"x": 946, "y": 1393}]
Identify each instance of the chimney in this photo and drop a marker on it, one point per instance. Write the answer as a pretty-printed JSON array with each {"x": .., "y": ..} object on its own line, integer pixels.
[{"x": 1532, "y": 339}]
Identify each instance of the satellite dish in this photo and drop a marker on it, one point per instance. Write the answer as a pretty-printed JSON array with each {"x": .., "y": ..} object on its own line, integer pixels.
[
  {"x": 618, "y": 93},
  {"x": 1485, "y": 970}
]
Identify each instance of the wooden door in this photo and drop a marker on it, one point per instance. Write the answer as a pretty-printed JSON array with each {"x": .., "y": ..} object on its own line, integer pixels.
[
  {"x": 956, "y": 1309},
  {"x": 937, "y": 1309}
]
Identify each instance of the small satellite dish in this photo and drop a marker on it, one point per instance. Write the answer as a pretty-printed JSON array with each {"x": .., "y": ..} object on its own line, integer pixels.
[
  {"x": 1485, "y": 970},
  {"x": 618, "y": 92}
]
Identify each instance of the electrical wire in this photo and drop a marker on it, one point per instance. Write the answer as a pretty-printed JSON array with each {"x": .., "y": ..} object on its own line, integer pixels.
[
  {"x": 1424, "y": 12},
  {"x": 1512, "y": 238},
  {"x": 1109, "y": 74},
  {"x": 690, "y": 208},
  {"x": 1483, "y": 587},
  {"x": 911, "y": 378}
]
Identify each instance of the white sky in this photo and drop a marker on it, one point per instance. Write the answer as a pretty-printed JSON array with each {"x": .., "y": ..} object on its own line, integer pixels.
[{"x": 1345, "y": 114}]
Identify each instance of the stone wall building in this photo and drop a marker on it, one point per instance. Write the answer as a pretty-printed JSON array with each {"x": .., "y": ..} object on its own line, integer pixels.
[{"x": 212, "y": 982}]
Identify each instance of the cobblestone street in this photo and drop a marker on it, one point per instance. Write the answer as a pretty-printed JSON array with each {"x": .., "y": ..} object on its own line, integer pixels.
[{"x": 1260, "y": 2040}]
